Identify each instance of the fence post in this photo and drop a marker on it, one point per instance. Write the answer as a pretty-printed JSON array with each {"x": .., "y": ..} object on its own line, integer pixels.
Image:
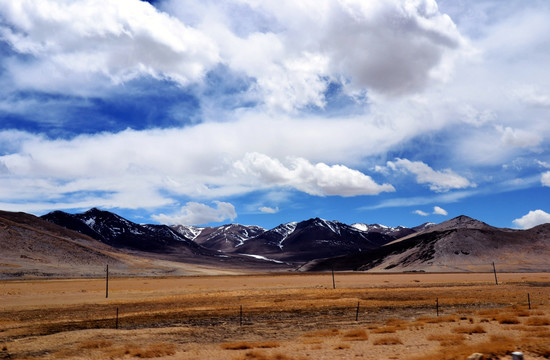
[
  {"x": 241, "y": 316},
  {"x": 116, "y": 324},
  {"x": 495, "y": 271},
  {"x": 333, "y": 283},
  {"x": 437, "y": 306},
  {"x": 357, "y": 312},
  {"x": 529, "y": 300},
  {"x": 107, "y": 281}
]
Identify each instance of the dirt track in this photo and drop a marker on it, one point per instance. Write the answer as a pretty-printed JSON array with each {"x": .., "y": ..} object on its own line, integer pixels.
[{"x": 299, "y": 316}]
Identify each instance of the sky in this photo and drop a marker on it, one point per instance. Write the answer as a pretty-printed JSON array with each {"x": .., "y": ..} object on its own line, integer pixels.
[{"x": 205, "y": 112}]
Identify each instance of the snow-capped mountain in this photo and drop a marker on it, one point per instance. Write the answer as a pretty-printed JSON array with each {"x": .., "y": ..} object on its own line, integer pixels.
[
  {"x": 225, "y": 238},
  {"x": 311, "y": 239},
  {"x": 116, "y": 231},
  {"x": 396, "y": 232},
  {"x": 458, "y": 244},
  {"x": 294, "y": 242}
]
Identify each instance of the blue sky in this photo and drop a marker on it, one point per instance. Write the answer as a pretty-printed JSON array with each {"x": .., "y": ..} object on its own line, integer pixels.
[{"x": 209, "y": 112}]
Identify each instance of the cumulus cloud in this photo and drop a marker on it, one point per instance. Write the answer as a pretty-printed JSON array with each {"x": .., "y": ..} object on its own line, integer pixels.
[
  {"x": 90, "y": 40},
  {"x": 436, "y": 211},
  {"x": 194, "y": 213},
  {"x": 116, "y": 170},
  {"x": 294, "y": 50},
  {"x": 438, "y": 181},
  {"x": 533, "y": 96},
  {"x": 518, "y": 137},
  {"x": 545, "y": 178},
  {"x": 533, "y": 218},
  {"x": 269, "y": 210},
  {"x": 440, "y": 211},
  {"x": 314, "y": 179}
]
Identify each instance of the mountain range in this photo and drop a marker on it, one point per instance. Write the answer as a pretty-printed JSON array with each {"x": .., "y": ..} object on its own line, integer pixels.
[{"x": 62, "y": 244}]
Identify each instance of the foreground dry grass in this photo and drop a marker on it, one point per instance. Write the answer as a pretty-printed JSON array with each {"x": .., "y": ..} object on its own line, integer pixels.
[{"x": 284, "y": 317}]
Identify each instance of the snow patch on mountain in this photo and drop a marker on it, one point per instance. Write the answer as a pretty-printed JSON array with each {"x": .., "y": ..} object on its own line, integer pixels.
[
  {"x": 188, "y": 231},
  {"x": 284, "y": 230},
  {"x": 259, "y": 257}
]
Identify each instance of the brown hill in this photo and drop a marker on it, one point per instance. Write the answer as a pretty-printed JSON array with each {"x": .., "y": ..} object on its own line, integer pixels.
[
  {"x": 33, "y": 247},
  {"x": 459, "y": 244}
]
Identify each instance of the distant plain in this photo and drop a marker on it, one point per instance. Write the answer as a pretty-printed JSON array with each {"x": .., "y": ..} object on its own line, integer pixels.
[{"x": 284, "y": 316}]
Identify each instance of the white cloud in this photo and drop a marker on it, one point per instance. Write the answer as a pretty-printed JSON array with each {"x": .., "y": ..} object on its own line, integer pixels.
[
  {"x": 315, "y": 179},
  {"x": 533, "y": 96},
  {"x": 545, "y": 178},
  {"x": 420, "y": 212},
  {"x": 440, "y": 211},
  {"x": 116, "y": 170},
  {"x": 438, "y": 181},
  {"x": 269, "y": 210},
  {"x": 533, "y": 218},
  {"x": 81, "y": 43},
  {"x": 519, "y": 138},
  {"x": 293, "y": 49},
  {"x": 194, "y": 213}
]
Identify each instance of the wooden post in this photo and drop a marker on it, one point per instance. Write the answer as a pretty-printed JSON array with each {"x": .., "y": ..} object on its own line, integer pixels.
[
  {"x": 241, "y": 317},
  {"x": 495, "y": 271},
  {"x": 357, "y": 312},
  {"x": 116, "y": 324},
  {"x": 107, "y": 281},
  {"x": 333, "y": 283},
  {"x": 529, "y": 300},
  {"x": 437, "y": 306}
]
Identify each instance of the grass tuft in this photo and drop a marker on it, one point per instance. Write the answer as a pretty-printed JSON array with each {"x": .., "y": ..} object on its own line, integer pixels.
[
  {"x": 256, "y": 355},
  {"x": 388, "y": 340},
  {"x": 323, "y": 333},
  {"x": 476, "y": 329},
  {"x": 245, "y": 345},
  {"x": 356, "y": 335},
  {"x": 507, "y": 319},
  {"x": 95, "y": 344},
  {"x": 448, "y": 339},
  {"x": 538, "y": 321}
]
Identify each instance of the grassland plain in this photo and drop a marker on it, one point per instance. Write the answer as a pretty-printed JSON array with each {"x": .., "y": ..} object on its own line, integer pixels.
[{"x": 284, "y": 316}]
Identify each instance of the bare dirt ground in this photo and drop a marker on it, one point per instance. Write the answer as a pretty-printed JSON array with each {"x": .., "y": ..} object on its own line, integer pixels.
[{"x": 284, "y": 317}]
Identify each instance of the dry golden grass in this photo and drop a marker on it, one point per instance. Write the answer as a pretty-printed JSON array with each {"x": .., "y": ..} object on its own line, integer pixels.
[
  {"x": 355, "y": 335},
  {"x": 190, "y": 318},
  {"x": 495, "y": 347},
  {"x": 153, "y": 351},
  {"x": 538, "y": 321},
  {"x": 245, "y": 345},
  {"x": 437, "y": 319},
  {"x": 256, "y": 355},
  {"x": 388, "y": 340},
  {"x": 448, "y": 339},
  {"x": 323, "y": 333},
  {"x": 475, "y": 329},
  {"x": 386, "y": 330},
  {"x": 507, "y": 319},
  {"x": 131, "y": 350},
  {"x": 391, "y": 326},
  {"x": 95, "y": 344}
]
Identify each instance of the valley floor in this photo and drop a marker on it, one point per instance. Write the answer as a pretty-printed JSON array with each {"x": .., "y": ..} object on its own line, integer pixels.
[{"x": 284, "y": 317}]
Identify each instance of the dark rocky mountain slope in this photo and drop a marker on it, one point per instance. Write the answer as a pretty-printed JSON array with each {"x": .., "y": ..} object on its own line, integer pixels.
[{"x": 459, "y": 244}]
